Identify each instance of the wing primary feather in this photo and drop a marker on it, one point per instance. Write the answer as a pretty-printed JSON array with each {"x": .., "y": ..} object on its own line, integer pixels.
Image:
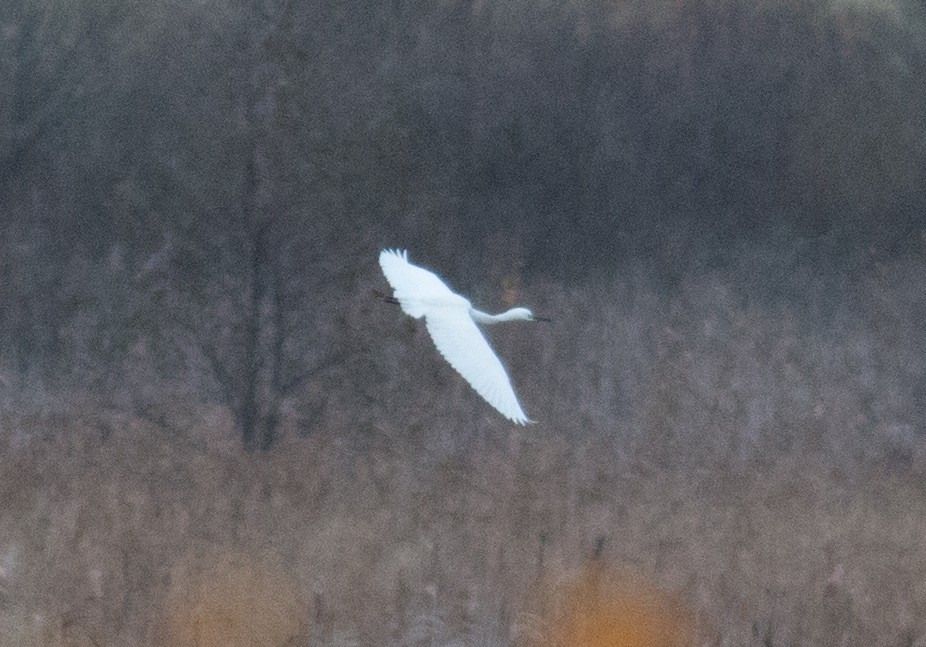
[
  {"x": 466, "y": 349},
  {"x": 421, "y": 293}
]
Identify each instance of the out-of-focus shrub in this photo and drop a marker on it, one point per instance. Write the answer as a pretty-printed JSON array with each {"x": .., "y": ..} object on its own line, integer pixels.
[
  {"x": 235, "y": 601},
  {"x": 608, "y": 607}
]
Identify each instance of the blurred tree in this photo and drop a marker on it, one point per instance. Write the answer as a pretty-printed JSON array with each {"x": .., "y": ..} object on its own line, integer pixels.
[
  {"x": 200, "y": 176},
  {"x": 51, "y": 69},
  {"x": 245, "y": 265}
]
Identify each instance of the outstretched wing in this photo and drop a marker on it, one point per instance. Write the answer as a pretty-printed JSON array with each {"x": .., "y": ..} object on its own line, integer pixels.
[
  {"x": 417, "y": 289},
  {"x": 423, "y": 294},
  {"x": 463, "y": 345}
]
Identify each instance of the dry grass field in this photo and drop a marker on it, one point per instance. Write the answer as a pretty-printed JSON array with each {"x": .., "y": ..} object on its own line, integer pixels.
[
  {"x": 717, "y": 473},
  {"x": 111, "y": 534}
]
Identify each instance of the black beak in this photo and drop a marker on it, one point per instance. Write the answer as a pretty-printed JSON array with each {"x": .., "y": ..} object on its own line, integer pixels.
[
  {"x": 385, "y": 297},
  {"x": 543, "y": 319}
]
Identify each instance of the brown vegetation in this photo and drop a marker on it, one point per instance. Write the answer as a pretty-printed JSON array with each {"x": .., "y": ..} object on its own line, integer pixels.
[
  {"x": 720, "y": 204},
  {"x": 604, "y": 607},
  {"x": 235, "y": 601},
  {"x": 749, "y": 472},
  {"x": 109, "y": 545}
]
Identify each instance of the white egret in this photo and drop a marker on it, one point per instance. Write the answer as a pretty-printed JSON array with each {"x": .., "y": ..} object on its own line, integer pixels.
[{"x": 451, "y": 321}]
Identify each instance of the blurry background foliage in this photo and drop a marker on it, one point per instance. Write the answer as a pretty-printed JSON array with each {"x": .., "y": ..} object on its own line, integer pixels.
[
  {"x": 721, "y": 204},
  {"x": 190, "y": 195}
]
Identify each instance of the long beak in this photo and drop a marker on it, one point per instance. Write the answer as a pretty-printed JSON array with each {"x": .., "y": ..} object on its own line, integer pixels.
[
  {"x": 385, "y": 297},
  {"x": 543, "y": 319}
]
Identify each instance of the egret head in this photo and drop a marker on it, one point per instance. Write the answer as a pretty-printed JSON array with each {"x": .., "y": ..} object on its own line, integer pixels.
[{"x": 524, "y": 313}]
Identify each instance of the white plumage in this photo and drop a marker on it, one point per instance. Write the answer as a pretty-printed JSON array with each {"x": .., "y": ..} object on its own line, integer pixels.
[{"x": 451, "y": 322}]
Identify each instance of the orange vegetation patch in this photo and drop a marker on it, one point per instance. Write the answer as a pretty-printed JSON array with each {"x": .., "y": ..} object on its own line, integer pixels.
[
  {"x": 604, "y": 607},
  {"x": 235, "y": 601}
]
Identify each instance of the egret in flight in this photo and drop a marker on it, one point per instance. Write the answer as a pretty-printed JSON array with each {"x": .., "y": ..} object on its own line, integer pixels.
[{"x": 451, "y": 321}]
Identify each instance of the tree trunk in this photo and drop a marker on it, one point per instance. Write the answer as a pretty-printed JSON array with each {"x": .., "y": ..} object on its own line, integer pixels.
[{"x": 249, "y": 417}]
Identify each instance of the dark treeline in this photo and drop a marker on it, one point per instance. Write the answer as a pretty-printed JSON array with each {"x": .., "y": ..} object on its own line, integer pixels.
[{"x": 196, "y": 187}]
